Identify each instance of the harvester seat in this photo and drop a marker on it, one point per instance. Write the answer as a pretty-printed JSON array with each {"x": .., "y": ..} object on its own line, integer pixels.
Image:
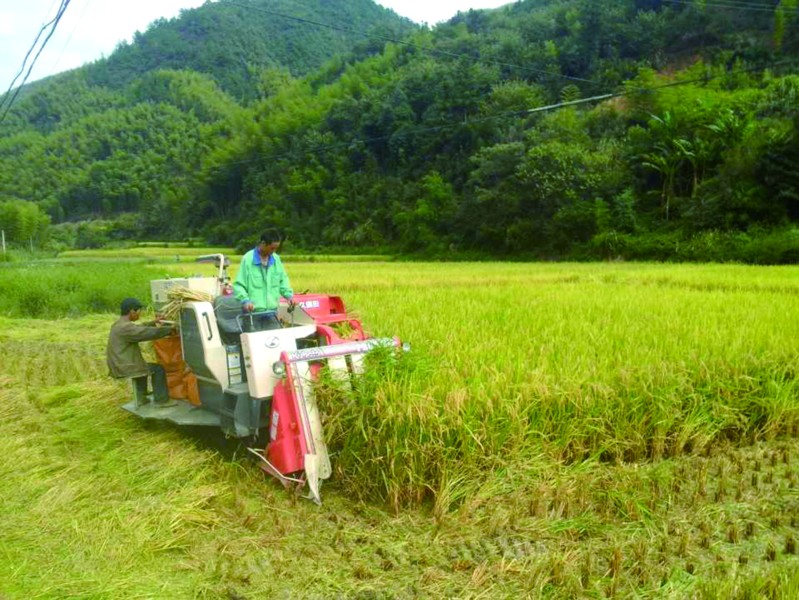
[{"x": 227, "y": 309}]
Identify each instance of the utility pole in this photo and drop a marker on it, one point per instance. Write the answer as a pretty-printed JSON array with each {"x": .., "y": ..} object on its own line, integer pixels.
[{"x": 4, "y": 241}]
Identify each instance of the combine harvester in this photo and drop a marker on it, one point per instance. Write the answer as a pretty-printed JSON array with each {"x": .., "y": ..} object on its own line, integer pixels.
[{"x": 254, "y": 383}]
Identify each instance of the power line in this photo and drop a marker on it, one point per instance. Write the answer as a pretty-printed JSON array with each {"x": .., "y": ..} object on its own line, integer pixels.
[
  {"x": 655, "y": 88},
  {"x": 525, "y": 112},
  {"x": 409, "y": 44},
  {"x": 71, "y": 34},
  {"x": 741, "y": 4},
  {"x": 52, "y": 24},
  {"x": 728, "y": 4},
  {"x": 24, "y": 61},
  {"x": 769, "y": 4}
]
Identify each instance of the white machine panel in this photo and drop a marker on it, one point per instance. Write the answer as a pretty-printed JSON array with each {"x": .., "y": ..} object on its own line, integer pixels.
[
  {"x": 206, "y": 336},
  {"x": 262, "y": 349}
]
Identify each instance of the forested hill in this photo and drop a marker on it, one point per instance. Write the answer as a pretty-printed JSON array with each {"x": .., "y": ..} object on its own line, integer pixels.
[
  {"x": 427, "y": 144},
  {"x": 233, "y": 41},
  {"x": 236, "y": 43}
]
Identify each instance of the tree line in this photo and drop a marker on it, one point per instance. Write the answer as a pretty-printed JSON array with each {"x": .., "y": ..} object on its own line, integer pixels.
[{"x": 427, "y": 145}]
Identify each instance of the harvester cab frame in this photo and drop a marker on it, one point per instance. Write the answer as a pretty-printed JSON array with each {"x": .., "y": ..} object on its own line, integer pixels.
[{"x": 254, "y": 384}]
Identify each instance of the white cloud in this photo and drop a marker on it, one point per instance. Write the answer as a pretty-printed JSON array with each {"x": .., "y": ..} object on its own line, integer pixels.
[
  {"x": 435, "y": 11},
  {"x": 7, "y": 23},
  {"x": 88, "y": 30}
]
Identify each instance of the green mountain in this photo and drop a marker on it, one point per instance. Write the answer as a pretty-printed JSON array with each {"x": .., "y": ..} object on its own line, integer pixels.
[
  {"x": 428, "y": 144},
  {"x": 130, "y": 131},
  {"x": 239, "y": 45},
  {"x": 234, "y": 41}
]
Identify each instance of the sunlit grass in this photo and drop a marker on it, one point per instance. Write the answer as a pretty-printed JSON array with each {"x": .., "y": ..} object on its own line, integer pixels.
[
  {"x": 183, "y": 252},
  {"x": 156, "y": 252}
]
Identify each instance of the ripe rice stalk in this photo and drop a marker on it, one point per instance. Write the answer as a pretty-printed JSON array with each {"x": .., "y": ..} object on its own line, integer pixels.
[{"x": 177, "y": 296}]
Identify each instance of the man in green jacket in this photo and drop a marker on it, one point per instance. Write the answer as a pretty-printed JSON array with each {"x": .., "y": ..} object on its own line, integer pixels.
[
  {"x": 262, "y": 280},
  {"x": 124, "y": 355}
]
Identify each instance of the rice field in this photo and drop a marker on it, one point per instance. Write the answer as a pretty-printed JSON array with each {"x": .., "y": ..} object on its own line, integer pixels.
[
  {"x": 168, "y": 252},
  {"x": 558, "y": 430},
  {"x": 177, "y": 252}
]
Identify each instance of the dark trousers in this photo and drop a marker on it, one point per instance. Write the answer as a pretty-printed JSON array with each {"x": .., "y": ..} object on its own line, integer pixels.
[{"x": 160, "y": 391}]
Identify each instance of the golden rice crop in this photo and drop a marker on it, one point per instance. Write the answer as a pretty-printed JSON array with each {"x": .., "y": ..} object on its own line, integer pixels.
[
  {"x": 618, "y": 362},
  {"x": 556, "y": 430},
  {"x": 177, "y": 296}
]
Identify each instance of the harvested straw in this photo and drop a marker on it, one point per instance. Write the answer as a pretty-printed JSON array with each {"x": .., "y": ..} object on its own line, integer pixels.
[{"x": 177, "y": 296}]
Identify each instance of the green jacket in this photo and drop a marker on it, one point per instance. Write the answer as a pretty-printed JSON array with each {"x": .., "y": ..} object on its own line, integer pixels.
[
  {"x": 262, "y": 284},
  {"x": 123, "y": 354}
]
